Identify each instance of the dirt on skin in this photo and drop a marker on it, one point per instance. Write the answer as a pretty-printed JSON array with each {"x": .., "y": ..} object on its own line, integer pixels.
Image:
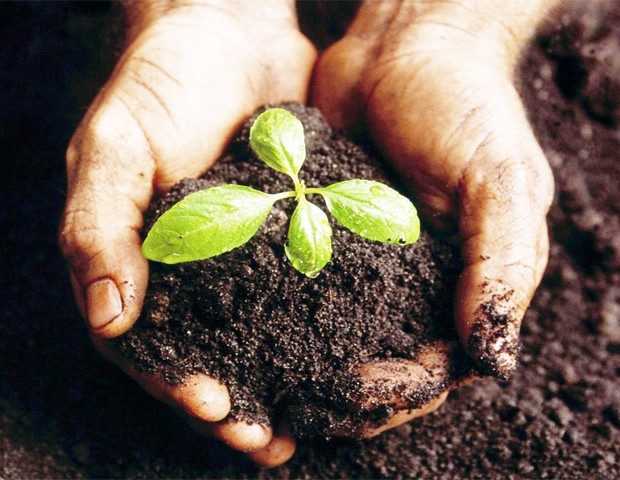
[
  {"x": 288, "y": 345},
  {"x": 65, "y": 413}
]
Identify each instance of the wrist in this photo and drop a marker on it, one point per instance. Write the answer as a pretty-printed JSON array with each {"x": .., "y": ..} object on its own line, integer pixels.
[
  {"x": 140, "y": 14},
  {"x": 494, "y": 29}
]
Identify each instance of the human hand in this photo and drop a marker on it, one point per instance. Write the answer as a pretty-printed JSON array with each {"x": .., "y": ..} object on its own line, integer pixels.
[
  {"x": 431, "y": 82},
  {"x": 191, "y": 73}
]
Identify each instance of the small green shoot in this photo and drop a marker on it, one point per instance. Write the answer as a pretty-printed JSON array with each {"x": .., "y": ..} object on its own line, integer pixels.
[{"x": 216, "y": 220}]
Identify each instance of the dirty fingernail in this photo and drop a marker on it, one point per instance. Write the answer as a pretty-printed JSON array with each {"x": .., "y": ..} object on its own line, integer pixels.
[
  {"x": 494, "y": 339},
  {"x": 495, "y": 354},
  {"x": 103, "y": 303}
]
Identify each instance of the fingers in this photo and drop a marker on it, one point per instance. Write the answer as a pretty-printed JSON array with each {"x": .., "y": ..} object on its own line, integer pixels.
[
  {"x": 243, "y": 436},
  {"x": 200, "y": 397},
  {"x": 403, "y": 416},
  {"x": 407, "y": 383},
  {"x": 236, "y": 434},
  {"x": 205, "y": 403},
  {"x": 278, "y": 451},
  {"x": 261, "y": 444},
  {"x": 408, "y": 388}
]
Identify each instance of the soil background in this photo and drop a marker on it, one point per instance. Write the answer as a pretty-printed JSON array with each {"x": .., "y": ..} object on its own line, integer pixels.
[{"x": 66, "y": 413}]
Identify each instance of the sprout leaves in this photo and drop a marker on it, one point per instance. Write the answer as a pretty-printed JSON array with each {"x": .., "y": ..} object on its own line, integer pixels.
[
  {"x": 216, "y": 220},
  {"x": 373, "y": 211},
  {"x": 207, "y": 223},
  {"x": 277, "y": 137},
  {"x": 309, "y": 246}
]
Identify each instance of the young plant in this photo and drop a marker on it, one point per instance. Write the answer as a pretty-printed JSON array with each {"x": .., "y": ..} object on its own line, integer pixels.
[{"x": 216, "y": 220}]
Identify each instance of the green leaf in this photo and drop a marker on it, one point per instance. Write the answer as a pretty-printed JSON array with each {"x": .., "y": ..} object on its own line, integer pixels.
[
  {"x": 373, "y": 210},
  {"x": 207, "y": 223},
  {"x": 277, "y": 137},
  {"x": 309, "y": 246}
]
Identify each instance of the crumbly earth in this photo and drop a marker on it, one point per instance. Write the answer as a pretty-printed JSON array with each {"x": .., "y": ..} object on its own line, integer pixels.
[
  {"x": 285, "y": 344},
  {"x": 65, "y": 413}
]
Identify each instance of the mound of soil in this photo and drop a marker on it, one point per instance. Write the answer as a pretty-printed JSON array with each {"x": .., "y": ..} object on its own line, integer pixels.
[
  {"x": 287, "y": 344},
  {"x": 65, "y": 413}
]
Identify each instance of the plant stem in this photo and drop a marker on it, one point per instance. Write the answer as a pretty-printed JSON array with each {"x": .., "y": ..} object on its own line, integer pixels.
[
  {"x": 283, "y": 195},
  {"x": 314, "y": 190}
]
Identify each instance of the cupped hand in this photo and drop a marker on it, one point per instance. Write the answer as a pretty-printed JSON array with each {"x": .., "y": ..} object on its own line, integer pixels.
[
  {"x": 431, "y": 82},
  {"x": 191, "y": 73}
]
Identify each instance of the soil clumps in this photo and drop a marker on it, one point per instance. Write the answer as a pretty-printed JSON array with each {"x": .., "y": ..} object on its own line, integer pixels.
[{"x": 285, "y": 344}]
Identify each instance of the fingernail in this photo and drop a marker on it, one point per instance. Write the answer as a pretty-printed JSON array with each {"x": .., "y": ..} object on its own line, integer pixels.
[
  {"x": 103, "y": 303},
  {"x": 494, "y": 339},
  {"x": 494, "y": 350}
]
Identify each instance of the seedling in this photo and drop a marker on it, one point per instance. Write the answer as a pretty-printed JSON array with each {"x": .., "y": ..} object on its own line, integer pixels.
[{"x": 216, "y": 220}]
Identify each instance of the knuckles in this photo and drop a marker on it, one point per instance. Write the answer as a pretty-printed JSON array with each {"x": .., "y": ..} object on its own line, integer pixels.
[
  {"x": 78, "y": 240},
  {"x": 510, "y": 182}
]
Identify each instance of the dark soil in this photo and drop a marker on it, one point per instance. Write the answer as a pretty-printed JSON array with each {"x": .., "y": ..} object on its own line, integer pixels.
[
  {"x": 281, "y": 342},
  {"x": 65, "y": 413}
]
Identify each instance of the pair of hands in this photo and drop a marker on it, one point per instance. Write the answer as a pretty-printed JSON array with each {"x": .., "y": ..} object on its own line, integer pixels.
[{"x": 431, "y": 82}]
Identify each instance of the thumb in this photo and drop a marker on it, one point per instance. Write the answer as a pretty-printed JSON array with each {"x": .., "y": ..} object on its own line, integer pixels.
[
  {"x": 109, "y": 176},
  {"x": 504, "y": 194}
]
